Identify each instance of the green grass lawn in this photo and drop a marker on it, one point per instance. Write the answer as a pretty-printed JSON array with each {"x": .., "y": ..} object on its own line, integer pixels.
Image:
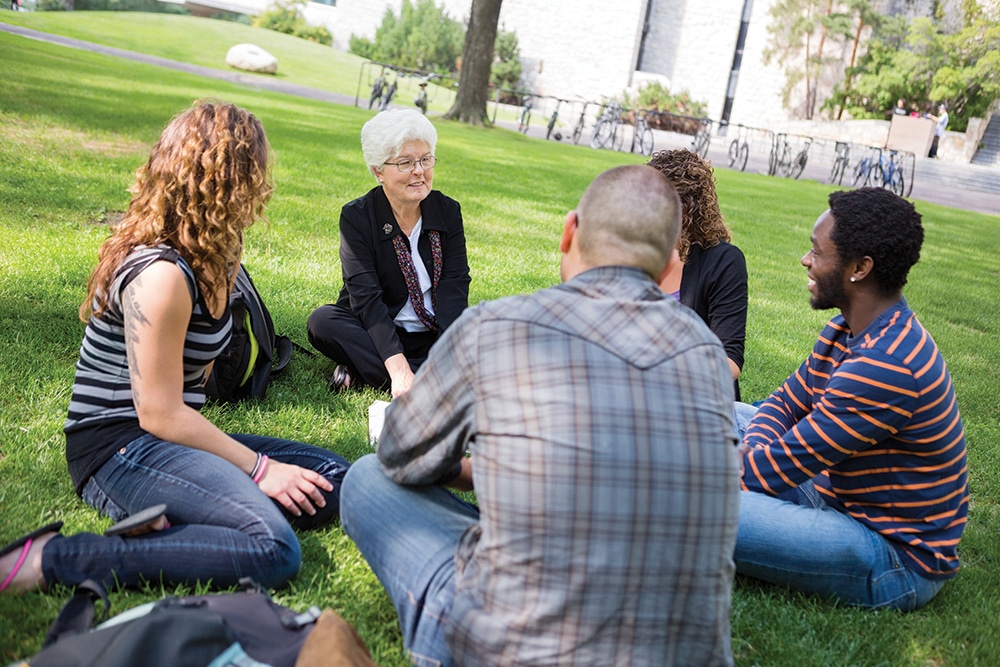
[{"x": 74, "y": 126}]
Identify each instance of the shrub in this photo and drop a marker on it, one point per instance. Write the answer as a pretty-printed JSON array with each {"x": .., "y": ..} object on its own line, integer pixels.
[{"x": 286, "y": 17}]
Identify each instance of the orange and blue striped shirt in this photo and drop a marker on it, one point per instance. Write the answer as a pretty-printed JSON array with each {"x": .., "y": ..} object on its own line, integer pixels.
[{"x": 874, "y": 420}]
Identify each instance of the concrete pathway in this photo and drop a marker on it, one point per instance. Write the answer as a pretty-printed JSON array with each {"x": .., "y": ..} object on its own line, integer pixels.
[{"x": 966, "y": 187}]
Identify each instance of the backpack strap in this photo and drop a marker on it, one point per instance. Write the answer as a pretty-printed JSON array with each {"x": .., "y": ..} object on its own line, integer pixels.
[
  {"x": 77, "y": 615},
  {"x": 283, "y": 346}
]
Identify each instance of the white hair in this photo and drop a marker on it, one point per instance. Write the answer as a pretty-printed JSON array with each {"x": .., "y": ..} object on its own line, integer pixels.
[{"x": 383, "y": 136}]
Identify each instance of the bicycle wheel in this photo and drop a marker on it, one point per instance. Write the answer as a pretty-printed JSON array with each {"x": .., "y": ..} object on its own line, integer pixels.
[
  {"x": 876, "y": 176},
  {"x": 702, "y": 148},
  {"x": 552, "y": 124},
  {"x": 522, "y": 126},
  {"x": 837, "y": 171},
  {"x": 799, "y": 165},
  {"x": 896, "y": 182},
  {"x": 785, "y": 163},
  {"x": 860, "y": 173},
  {"x": 772, "y": 161},
  {"x": 734, "y": 152},
  {"x": 602, "y": 133},
  {"x": 578, "y": 131},
  {"x": 646, "y": 141},
  {"x": 619, "y": 137},
  {"x": 744, "y": 154}
]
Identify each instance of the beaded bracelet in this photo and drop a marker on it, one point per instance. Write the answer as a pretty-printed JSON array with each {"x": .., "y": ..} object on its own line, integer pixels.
[
  {"x": 263, "y": 468},
  {"x": 256, "y": 466}
]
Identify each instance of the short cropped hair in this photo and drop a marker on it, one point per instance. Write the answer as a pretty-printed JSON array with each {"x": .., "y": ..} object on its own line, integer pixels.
[
  {"x": 630, "y": 216},
  {"x": 383, "y": 136},
  {"x": 876, "y": 223}
]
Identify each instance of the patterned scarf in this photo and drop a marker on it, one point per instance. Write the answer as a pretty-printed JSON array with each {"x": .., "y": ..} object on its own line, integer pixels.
[{"x": 413, "y": 283}]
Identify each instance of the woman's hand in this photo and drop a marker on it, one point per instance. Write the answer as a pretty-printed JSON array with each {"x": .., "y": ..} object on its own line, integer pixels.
[
  {"x": 296, "y": 489},
  {"x": 742, "y": 450},
  {"x": 399, "y": 373}
]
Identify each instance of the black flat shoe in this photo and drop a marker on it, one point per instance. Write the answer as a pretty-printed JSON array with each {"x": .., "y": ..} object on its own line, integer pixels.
[
  {"x": 341, "y": 379},
  {"x": 139, "y": 523}
]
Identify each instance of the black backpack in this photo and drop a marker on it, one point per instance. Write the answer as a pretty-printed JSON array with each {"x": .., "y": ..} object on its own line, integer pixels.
[
  {"x": 255, "y": 354},
  {"x": 244, "y": 629}
]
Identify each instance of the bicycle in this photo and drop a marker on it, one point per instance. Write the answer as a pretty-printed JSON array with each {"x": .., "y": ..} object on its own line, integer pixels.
[
  {"x": 796, "y": 168},
  {"x": 608, "y": 131},
  {"x": 892, "y": 174},
  {"x": 552, "y": 122},
  {"x": 702, "y": 138},
  {"x": 780, "y": 159},
  {"x": 642, "y": 137},
  {"x": 867, "y": 167},
  {"x": 739, "y": 150},
  {"x": 578, "y": 130},
  {"x": 841, "y": 163},
  {"x": 522, "y": 124},
  {"x": 390, "y": 91},
  {"x": 377, "y": 87}
]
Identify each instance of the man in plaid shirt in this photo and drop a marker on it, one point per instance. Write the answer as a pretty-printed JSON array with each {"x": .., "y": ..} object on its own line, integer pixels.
[{"x": 598, "y": 415}]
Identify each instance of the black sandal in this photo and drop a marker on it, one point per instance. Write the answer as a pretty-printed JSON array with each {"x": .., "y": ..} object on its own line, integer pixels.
[
  {"x": 341, "y": 379},
  {"x": 139, "y": 523}
]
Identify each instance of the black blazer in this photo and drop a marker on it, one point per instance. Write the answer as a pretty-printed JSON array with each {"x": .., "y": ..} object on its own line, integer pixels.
[{"x": 374, "y": 287}]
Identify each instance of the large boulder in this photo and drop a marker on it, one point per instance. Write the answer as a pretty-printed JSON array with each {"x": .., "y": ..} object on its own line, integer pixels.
[{"x": 251, "y": 58}]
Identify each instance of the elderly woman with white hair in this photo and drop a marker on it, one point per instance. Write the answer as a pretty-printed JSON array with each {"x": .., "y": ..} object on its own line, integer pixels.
[{"x": 403, "y": 260}]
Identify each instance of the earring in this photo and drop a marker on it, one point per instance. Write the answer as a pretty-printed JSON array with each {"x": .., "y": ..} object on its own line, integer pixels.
[{"x": 853, "y": 279}]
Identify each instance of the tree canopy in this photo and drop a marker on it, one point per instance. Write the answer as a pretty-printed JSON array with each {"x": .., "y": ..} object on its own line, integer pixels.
[
  {"x": 918, "y": 61},
  {"x": 422, "y": 37}
]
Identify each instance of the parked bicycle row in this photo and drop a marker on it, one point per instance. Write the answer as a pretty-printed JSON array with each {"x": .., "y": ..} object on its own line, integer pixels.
[
  {"x": 788, "y": 154},
  {"x": 858, "y": 165}
]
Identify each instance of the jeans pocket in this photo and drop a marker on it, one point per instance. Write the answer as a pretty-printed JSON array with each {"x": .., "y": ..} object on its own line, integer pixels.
[
  {"x": 893, "y": 585},
  {"x": 94, "y": 496}
]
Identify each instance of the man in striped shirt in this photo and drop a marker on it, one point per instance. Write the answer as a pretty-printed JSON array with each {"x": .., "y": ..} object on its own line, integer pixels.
[{"x": 854, "y": 470}]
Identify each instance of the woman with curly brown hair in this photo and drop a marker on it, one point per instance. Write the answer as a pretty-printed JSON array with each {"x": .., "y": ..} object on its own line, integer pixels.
[
  {"x": 711, "y": 276},
  {"x": 157, "y": 313}
]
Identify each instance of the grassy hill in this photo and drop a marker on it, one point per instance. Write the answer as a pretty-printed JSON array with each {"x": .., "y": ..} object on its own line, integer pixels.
[{"x": 74, "y": 126}]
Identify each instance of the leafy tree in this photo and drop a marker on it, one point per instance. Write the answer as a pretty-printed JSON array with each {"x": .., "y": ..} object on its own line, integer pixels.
[
  {"x": 807, "y": 38},
  {"x": 507, "y": 68},
  {"x": 422, "y": 37},
  {"x": 918, "y": 61},
  {"x": 477, "y": 61}
]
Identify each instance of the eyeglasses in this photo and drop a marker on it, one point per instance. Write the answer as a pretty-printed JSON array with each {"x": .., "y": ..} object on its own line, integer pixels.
[{"x": 406, "y": 165}]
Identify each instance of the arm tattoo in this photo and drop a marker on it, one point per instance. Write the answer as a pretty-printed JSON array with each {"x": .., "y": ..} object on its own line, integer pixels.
[{"x": 134, "y": 320}]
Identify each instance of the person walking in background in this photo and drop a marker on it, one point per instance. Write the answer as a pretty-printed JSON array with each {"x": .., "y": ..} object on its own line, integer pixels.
[
  {"x": 157, "y": 313},
  {"x": 939, "y": 129},
  {"x": 855, "y": 471},
  {"x": 598, "y": 415}
]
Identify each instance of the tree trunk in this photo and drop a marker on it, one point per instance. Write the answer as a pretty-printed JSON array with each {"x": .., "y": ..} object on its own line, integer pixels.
[{"x": 477, "y": 60}]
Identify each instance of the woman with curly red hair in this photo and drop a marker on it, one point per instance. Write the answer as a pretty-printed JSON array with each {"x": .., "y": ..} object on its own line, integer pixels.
[
  {"x": 157, "y": 313},
  {"x": 711, "y": 276}
]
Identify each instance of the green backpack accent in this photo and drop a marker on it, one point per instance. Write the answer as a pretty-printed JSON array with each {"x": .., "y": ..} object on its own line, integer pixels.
[{"x": 255, "y": 354}]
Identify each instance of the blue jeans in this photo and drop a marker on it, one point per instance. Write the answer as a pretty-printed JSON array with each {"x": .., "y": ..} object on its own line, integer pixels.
[
  {"x": 799, "y": 541},
  {"x": 223, "y": 527},
  {"x": 408, "y": 535}
]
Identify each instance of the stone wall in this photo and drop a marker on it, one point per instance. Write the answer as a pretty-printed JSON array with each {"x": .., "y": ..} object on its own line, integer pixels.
[{"x": 692, "y": 45}]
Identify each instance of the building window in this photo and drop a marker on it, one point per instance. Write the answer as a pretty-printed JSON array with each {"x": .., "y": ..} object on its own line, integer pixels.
[{"x": 328, "y": 3}]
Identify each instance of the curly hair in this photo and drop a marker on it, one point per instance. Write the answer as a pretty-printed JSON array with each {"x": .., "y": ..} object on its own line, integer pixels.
[
  {"x": 872, "y": 222},
  {"x": 702, "y": 222},
  {"x": 208, "y": 179}
]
